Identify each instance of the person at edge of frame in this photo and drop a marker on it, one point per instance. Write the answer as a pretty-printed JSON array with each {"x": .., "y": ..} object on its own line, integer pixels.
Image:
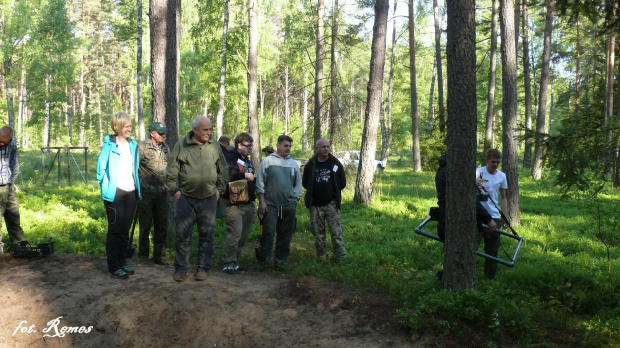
[{"x": 9, "y": 206}]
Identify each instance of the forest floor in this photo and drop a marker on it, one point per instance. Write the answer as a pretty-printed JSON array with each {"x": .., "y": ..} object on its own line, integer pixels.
[{"x": 40, "y": 296}]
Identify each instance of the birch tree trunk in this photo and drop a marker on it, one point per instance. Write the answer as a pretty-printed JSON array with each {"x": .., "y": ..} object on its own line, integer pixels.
[
  {"x": 366, "y": 168},
  {"x": 286, "y": 95},
  {"x": 544, "y": 83},
  {"x": 222, "y": 102},
  {"x": 459, "y": 257},
  {"x": 417, "y": 163},
  {"x": 9, "y": 93},
  {"x": 510, "y": 156},
  {"x": 489, "y": 138},
  {"x": 304, "y": 116},
  {"x": 252, "y": 83}
]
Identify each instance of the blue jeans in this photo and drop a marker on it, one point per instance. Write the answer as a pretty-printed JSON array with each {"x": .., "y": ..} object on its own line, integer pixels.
[{"x": 201, "y": 212}]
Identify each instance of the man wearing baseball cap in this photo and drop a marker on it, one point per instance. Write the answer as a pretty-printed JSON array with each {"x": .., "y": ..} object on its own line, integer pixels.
[{"x": 153, "y": 208}]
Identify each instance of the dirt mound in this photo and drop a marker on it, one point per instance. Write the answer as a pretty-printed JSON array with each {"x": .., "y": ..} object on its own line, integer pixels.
[{"x": 66, "y": 300}]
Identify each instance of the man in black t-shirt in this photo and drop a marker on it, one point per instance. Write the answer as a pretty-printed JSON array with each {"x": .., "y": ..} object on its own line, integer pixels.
[{"x": 323, "y": 179}]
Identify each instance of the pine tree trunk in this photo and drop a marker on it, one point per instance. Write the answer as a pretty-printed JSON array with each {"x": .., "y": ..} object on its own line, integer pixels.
[
  {"x": 366, "y": 168},
  {"x": 417, "y": 162},
  {"x": 173, "y": 68},
  {"x": 304, "y": 116},
  {"x": 442, "y": 109},
  {"x": 22, "y": 106},
  {"x": 489, "y": 138},
  {"x": 252, "y": 83},
  {"x": 222, "y": 102},
  {"x": 140, "y": 132},
  {"x": 459, "y": 257},
  {"x": 542, "y": 104},
  {"x": 429, "y": 124},
  {"x": 610, "y": 50},
  {"x": 578, "y": 63},
  {"x": 318, "y": 77},
  {"x": 386, "y": 141},
  {"x": 510, "y": 158},
  {"x": 333, "y": 109},
  {"x": 527, "y": 152}
]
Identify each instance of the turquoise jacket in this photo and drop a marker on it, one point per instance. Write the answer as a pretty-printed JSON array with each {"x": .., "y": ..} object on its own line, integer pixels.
[{"x": 107, "y": 167}]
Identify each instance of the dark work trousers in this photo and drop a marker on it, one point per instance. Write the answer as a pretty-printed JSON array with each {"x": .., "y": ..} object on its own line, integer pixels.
[
  {"x": 201, "y": 212},
  {"x": 9, "y": 209},
  {"x": 153, "y": 211},
  {"x": 120, "y": 215},
  {"x": 491, "y": 247},
  {"x": 281, "y": 221}
]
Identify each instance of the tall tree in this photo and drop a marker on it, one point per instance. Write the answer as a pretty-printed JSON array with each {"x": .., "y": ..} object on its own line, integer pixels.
[
  {"x": 442, "y": 109},
  {"x": 527, "y": 152},
  {"x": 222, "y": 102},
  {"x": 366, "y": 168},
  {"x": 610, "y": 50},
  {"x": 252, "y": 79},
  {"x": 140, "y": 129},
  {"x": 459, "y": 256},
  {"x": 510, "y": 156},
  {"x": 318, "y": 66},
  {"x": 489, "y": 136},
  {"x": 334, "y": 110},
  {"x": 386, "y": 127},
  {"x": 542, "y": 93},
  {"x": 417, "y": 163}
]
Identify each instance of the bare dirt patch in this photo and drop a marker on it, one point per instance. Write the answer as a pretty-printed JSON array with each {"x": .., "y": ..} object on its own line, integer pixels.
[{"x": 151, "y": 310}]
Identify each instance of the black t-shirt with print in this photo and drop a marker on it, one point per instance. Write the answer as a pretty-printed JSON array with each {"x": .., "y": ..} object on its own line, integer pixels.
[{"x": 323, "y": 188}]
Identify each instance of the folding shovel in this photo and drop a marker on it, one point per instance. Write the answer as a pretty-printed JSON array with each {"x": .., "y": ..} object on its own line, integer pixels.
[{"x": 261, "y": 253}]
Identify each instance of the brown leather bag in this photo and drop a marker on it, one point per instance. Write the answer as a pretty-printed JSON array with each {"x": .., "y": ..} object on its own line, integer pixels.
[{"x": 238, "y": 191}]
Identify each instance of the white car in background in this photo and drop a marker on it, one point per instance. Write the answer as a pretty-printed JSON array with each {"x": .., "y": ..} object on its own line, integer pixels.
[{"x": 351, "y": 159}]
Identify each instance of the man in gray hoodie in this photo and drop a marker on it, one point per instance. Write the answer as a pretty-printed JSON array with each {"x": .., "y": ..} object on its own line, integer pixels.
[{"x": 278, "y": 187}]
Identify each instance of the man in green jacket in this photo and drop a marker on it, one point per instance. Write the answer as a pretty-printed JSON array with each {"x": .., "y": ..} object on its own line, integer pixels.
[{"x": 196, "y": 177}]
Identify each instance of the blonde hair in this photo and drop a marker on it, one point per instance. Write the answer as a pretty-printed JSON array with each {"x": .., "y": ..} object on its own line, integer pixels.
[{"x": 119, "y": 121}]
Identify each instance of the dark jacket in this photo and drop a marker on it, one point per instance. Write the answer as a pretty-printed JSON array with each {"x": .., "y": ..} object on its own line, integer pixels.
[
  {"x": 338, "y": 178},
  {"x": 482, "y": 215},
  {"x": 197, "y": 170},
  {"x": 235, "y": 173}
]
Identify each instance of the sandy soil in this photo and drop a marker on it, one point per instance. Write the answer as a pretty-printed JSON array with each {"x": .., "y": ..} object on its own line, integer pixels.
[{"x": 149, "y": 309}]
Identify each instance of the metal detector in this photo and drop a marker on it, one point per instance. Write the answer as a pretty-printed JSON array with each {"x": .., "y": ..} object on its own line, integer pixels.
[{"x": 510, "y": 263}]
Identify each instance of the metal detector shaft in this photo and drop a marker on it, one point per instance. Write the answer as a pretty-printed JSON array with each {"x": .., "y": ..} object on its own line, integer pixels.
[{"x": 511, "y": 263}]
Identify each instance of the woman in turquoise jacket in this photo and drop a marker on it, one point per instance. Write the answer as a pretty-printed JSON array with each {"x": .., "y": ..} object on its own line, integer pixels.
[{"x": 117, "y": 173}]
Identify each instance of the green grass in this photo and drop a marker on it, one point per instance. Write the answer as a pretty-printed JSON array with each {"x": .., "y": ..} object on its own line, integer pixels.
[{"x": 560, "y": 291}]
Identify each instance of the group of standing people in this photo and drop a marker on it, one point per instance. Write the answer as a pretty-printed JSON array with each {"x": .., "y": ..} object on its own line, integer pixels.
[{"x": 196, "y": 174}]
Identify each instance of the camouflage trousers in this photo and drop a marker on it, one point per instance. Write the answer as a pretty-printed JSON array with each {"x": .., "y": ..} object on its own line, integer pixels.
[
  {"x": 331, "y": 214},
  {"x": 9, "y": 210},
  {"x": 153, "y": 210}
]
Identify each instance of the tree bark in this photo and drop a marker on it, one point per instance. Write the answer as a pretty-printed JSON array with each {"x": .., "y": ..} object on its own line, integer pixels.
[
  {"x": 610, "y": 50},
  {"x": 140, "y": 133},
  {"x": 442, "y": 109},
  {"x": 489, "y": 138},
  {"x": 430, "y": 100},
  {"x": 173, "y": 69},
  {"x": 542, "y": 99},
  {"x": 9, "y": 93},
  {"x": 577, "y": 63},
  {"x": 415, "y": 135},
  {"x": 386, "y": 139},
  {"x": 304, "y": 116},
  {"x": 47, "y": 123},
  {"x": 82, "y": 105},
  {"x": 158, "y": 22},
  {"x": 527, "y": 153},
  {"x": 333, "y": 109},
  {"x": 459, "y": 256},
  {"x": 510, "y": 156},
  {"x": 286, "y": 95},
  {"x": 222, "y": 102},
  {"x": 252, "y": 83},
  {"x": 318, "y": 76},
  {"x": 366, "y": 168}
]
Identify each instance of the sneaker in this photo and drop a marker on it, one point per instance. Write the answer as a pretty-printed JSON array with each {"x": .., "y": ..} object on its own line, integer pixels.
[
  {"x": 200, "y": 275},
  {"x": 179, "y": 276},
  {"x": 128, "y": 270},
  {"x": 119, "y": 274},
  {"x": 229, "y": 270},
  {"x": 241, "y": 269}
]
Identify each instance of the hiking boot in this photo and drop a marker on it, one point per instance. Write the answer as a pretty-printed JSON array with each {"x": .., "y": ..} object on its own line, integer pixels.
[
  {"x": 179, "y": 276},
  {"x": 119, "y": 274},
  {"x": 160, "y": 260},
  {"x": 128, "y": 270},
  {"x": 229, "y": 270},
  {"x": 200, "y": 275},
  {"x": 240, "y": 269}
]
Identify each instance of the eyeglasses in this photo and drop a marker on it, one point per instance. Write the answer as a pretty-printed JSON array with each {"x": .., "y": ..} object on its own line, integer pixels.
[{"x": 247, "y": 146}]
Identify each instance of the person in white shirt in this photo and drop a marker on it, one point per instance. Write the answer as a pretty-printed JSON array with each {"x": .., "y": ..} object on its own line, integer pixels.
[{"x": 491, "y": 181}]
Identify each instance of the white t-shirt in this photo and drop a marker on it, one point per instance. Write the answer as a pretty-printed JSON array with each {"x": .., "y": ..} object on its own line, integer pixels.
[
  {"x": 492, "y": 183},
  {"x": 125, "y": 169}
]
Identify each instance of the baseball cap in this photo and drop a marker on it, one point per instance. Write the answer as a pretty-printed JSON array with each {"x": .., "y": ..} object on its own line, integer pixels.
[{"x": 158, "y": 127}]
